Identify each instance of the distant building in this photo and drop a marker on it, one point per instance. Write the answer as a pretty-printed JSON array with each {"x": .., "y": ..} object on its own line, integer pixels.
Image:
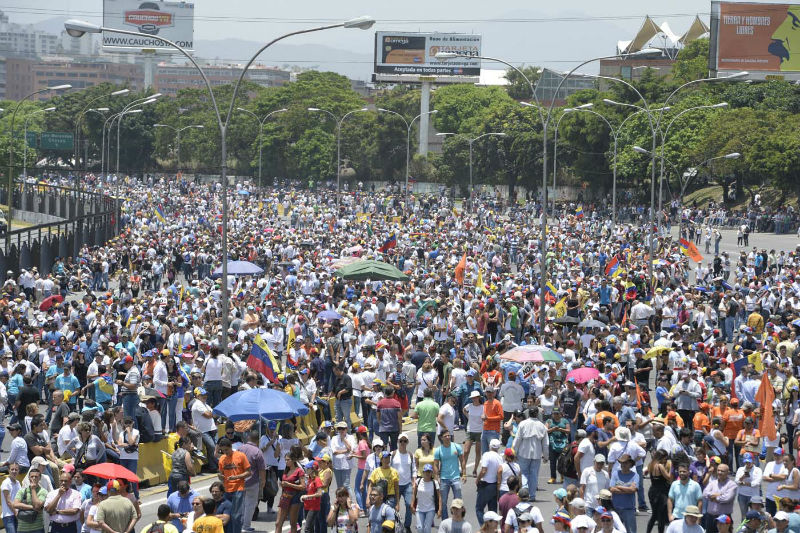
[
  {"x": 660, "y": 38},
  {"x": 549, "y": 81},
  {"x": 24, "y": 76},
  {"x": 25, "y": 40},
  {"x": 169, "y": 78}
]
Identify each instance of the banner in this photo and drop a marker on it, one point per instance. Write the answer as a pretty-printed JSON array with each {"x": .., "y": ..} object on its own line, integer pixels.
[
  {"x": 171, "y": 20},
  {"x": 755, "y": 37}
]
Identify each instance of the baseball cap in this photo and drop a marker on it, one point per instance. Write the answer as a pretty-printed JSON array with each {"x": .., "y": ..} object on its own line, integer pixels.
[
  {"x": 491, "y": 515},
  {"x": 494, "y": 444},
  {"x": 781, "y": 515},
  {"x": 724, "y": 519},
  {"x": 427, "y": 468},
  {"x": 578, "y": 502},
  {"x": 474, "y": 394},
  {"x": 458, "y": 503},
  {"x": 103, "y": 490},
  {"x": 128, "y": 359},
  {"x": 752, "y": 515},
  {"x": 591, "y": 428},
  {"x": 200, "y": 391},
  {"x": 747, "y": 457},
  {"x": 560, "y": 493},
  {"x": 600, "y": 458}
]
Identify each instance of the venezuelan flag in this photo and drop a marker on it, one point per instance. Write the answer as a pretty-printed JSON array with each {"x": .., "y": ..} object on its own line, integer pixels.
[
  {"x": 612, "y": 266},
  {"x": 579, "y": 212},
  {"x": 389, "y": 243},
  {"x": 159, "y": 212},
  {"x": 262, "y": 360}
]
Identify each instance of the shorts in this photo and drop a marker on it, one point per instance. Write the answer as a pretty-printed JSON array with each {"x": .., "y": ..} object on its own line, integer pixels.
[
  {"x": 287, "y": 500},
  {"x": 474, "y": 436}
]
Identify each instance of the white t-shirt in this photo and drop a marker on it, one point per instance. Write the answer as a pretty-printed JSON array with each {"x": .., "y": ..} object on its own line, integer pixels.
[
  {"x": 474, "y": 414},
  {"x": 425, "y": 491},
  {"x": 449, "y": 415},
  {"x": 12, "y": 486},
  {"x": 404, "y": 464},
  {"x": 213, "y": 369},
  {"x": 202, "y": 423},
  {"x": 425, "y": 380},
  {"x": 492, "y": 462},
  {"x": 509, "y": 469},
  {"x": 679, "y": 526},
  {"x": 595, "y": 482},
  {"x": 135, "y": 454},
  {"x": 524, "y": 507},
  {"x": 587, "y": 448},
  {"x": 771, "y": 487}
]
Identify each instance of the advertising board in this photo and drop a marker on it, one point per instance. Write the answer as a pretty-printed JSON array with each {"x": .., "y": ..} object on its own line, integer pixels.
[
  {"x": 407, "y": 54},
  {"x": 754, "y": 37},
  {"x": 171, "y": 20}
]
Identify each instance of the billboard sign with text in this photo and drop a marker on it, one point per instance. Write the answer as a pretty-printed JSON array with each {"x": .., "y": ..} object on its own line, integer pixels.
[{"x": 171, "y": 20}]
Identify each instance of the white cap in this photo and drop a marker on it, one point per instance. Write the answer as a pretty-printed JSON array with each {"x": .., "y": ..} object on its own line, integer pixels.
[{"x": 494, "y": 444}]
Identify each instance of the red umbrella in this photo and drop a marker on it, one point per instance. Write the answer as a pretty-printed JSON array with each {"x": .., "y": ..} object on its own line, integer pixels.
[
  {"x": 50, "y": 301},
  {"x": 111, "y": 471},
  {"x": 584, "y": 374}
]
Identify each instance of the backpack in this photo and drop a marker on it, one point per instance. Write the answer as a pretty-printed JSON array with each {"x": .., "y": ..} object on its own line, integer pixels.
[
  {"x": 383, "y": 486},
  {"x": 565, "y": 464},
  {"x": 147, "y": 432},
  {"x": 156, "y": 527},
  {"x": 435, "y": 493}
]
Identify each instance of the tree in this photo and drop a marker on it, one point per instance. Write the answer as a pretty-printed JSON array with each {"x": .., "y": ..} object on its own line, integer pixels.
[
  {"x": 692, "y": 62},
  {"x": 517, "y": 87}
]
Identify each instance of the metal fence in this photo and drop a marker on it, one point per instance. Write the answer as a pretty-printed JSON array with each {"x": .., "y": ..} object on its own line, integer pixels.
[{"x": 89, "y": 219}]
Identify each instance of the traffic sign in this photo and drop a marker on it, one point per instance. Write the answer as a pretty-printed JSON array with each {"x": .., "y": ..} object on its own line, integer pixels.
[
  {"x": 56, "y": 140},
  {"x": 32, "y": 138}
]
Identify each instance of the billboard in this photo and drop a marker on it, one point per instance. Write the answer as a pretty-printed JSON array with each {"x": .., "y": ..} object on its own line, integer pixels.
[
  {"x": 755, "y": 37},
  {"x": 411, "y": 55},
  {"x": 170, "y": 20}
]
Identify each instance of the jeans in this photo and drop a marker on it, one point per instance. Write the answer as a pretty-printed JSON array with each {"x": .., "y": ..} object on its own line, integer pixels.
[
  {"x": 214, "y": 389},
  {"x": 251, "y": 494},
  {"x": 486, "y": 437},
  {"x": 131, "y": 464},
  {"x": 628, "y": 518},
  {"x": 311, "y": 521},
  {"x": 237, "y": 503},
  {"x": 744, "y": 503},
  {"x": 424, "y": 521},
  {"x": 529, "y": 469},
  {"x": 445, "y": 486},
  {"x": 129, "y": 403},
  {"x": 343, "y": 408},
  {"x": 642, "y": 502},
  {"x": 210, "y": 443},
  {"x": 324, "y": 508},
  {"x": 406, "y": 492},
  {"x": 389, "y": 439},
  {"x": 10, "y": 523},
  {"x": 361, "y": 494},
  {"x": 487, "y": 496},
  {"x": 343, "y": 479},
  {"x": 168, "y": 413}
]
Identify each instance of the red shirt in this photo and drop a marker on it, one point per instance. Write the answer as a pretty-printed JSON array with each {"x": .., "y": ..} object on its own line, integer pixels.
[{"x": 313, "y": 504}]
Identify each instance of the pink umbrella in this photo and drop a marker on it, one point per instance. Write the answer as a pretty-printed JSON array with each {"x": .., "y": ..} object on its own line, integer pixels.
[
  {"x": 584, "y": 374},
  {"x": 532, "y": 353}
]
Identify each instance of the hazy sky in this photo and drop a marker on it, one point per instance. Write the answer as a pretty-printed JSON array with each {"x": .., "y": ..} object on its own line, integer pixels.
[{"x": 549, "y": 33}]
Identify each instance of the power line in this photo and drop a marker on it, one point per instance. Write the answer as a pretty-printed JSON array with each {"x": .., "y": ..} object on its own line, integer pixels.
[{"x": 284, "y": 20}]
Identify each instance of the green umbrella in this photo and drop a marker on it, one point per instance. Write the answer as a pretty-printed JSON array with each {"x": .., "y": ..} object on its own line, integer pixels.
[
  {"x": 424, "y": 307},
  {"x": 372, "y": 270}
]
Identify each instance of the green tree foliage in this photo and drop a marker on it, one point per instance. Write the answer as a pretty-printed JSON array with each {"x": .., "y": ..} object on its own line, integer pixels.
[
  {"x": 692, "y": 62},
  {"x": 517, "y": 87}
]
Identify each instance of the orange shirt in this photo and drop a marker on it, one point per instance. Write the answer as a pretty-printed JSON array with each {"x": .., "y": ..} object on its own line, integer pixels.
[
  {"x": 233, "y": 465},
  {"x": 701, "y": 422},
  {"x": 734, "y": 422},
  {"x": 598, "y": 419},
  {"x": 493, "y": 410},
  {"x": 749, "y": 448}
]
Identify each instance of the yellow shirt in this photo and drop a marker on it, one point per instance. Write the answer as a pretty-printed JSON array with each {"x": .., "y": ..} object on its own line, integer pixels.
[
  {"x": 422, "y": 460},
  {"x": 168, "y": 528},
  {"x": 207, "y": 524},
  {"x": 389, "y": 474}
]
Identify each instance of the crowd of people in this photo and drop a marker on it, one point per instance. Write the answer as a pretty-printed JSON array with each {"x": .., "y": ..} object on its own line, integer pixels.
[{"x": 688, "y": 381}]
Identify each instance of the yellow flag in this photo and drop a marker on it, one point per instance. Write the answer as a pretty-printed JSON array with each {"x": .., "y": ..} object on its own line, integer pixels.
[
  {"x": 290, "y": 340},
  {"x": 180, "y": 300},
  {"x": 618, "y": 272},
  {"x": 280, "y": 209},
  {"x": 561, "y": 307},
  {"x": 479, "y": 283},
  {"x": 755, "y": 360}
]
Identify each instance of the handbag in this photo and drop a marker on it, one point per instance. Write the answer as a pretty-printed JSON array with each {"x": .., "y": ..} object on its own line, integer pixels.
[
  {"x": 271, "y": 486},
  {"x": 27, "y": 515}
]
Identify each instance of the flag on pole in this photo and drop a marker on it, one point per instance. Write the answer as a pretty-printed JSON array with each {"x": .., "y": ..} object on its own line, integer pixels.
[
  {"x": 389, "y": 243},
  {"x": 579, "y": 212},
  {"x": 369, "y": 230},
  {"x": 460, "y": 268},
  {"x": 765, "y": 396},
  {"x": 479, "y": 283},
  {"x": 561, "y": 307},
  {"x": 159, "y": 212},
  {"x": 612, "y": 266},
  {"x": 690, "y": 250},
  {"x": 261, "y": 359},
  {"x": 550, "y": 292}
]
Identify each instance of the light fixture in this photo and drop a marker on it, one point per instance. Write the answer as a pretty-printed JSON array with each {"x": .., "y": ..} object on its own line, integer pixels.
[
  {"x": 77, "y": 28},
  {"x": 641, "y": 150},
  {"x": 364, "y": 22},
  {"x": 121, "y": 91},
  {"x": 733, "y": 155}
]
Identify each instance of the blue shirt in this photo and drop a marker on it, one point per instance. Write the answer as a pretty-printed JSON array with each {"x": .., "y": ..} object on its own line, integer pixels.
[
  {"x": 70, "y": 383},
  {"x": 624, "y": 501},
  {"x": 683, "y": 495},
  {"x": 450, "y": 460},
  {"x": 180, "y": 504},
  {"x": 14, "y": 384},
  {"x": 99, "y": 395}
]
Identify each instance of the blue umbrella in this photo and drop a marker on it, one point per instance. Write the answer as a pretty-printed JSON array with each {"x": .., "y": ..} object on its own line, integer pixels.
[
  {"x": 240, "y": 268},
  {"x": 264, "y": 403},
  {"x": 329, "y": 315},
  {"x": 244, "y": 192}
]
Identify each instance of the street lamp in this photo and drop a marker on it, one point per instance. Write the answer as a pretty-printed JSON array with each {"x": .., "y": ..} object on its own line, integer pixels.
[
  {"x": 564, "y": 113},
  {"x": 338, "y": 143},
  {"x": 409, "y": 125},
  {"x": 545, "y": 119},
  {"x": 150, "y": 100},
  {"x": 11, "y": 156},
  {"x": 77, "y": 28},
  {"x": 25, "y": 136},
  {"x": 83, "y": 111},
  {"x": 260, "y": 133},
  {"x": 471, "y": 141},
  {"x": 178, "y": 137}
]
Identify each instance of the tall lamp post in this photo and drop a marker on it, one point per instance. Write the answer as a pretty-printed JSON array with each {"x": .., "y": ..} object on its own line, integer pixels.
[
  {"x": 105, "y": 156},
  {"x": 11, "y": 156},
  {"x": 150, "y": 100},
  {"x": 338, "y": 122},
  {"x": 545, "y": 119},
  {"x": 564, "y": 113},
  {"x": 87, "y": 108},
  {"x": 471, "y": 141},
  {"x": 25, "y": 136},
  {"x": 77, "y": 28},
  {"x": 261, "y": 123},
  {"x": 178, "y": 137},
  {"x": 409, "y": 125}
]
